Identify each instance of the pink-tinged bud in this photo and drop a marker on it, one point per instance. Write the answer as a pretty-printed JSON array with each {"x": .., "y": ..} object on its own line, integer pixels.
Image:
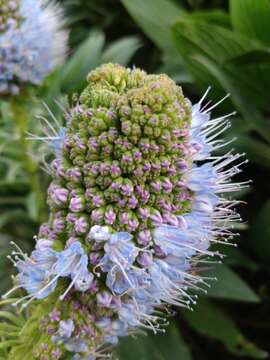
[
  {"x": 137, "y": 155},
  {"x": 144, "y": 213},
  {"x": 170, "y": 219},
  {"x": 156, "y": 167},
  {"x": 132, "y": 225},
  {"x": 167, "y": 186},
  {"x": 145, "y": 259},
  {"x": 172, "y": 171},
  {"x": 71, "y": 218},
  {"x": 97, "y": 215},
  {"x": 60, "y": 196},
  {"x": 115, "y": 170},
  {"x": 165, "y": 164},
  {"x": 147, "y": 167},
  {"x": 74, "y": 174},
  {"x": 104, "y": 299},
  {"x": 44, "y": 230},
  {"x": 124, "y": 218},
  {"x": 126, "y": 159},
  {"x": 126, "y": 190},
  {"x": 156, "y": 218},
  {"x": 182, "y": 166},
  {"x": 156, "y": 186},
  {"x": 165, "y": 205},
  {"x": 145, "y": 197},
  {"x": 76, "y": 204},
  {"x": 94, "y": 258},
  {"x": 81, "y": 225},
  {"x": 132, "y": 202},
  {"x": 97, "y": 201},
  {"x": 159, "y": 252},
  {"x": 58, "y": 225},
  {"x": 144, "y": 237},
  {"x": 110, "y": 217}
]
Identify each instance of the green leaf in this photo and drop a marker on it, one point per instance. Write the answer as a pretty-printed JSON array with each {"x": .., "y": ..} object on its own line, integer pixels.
[
  {"x": 251, "y": 17},
  {"x": 156, "y": 17},
  {"x": 252, "y": 58},
  {"x": 209, "y": 320},
  {"x": 86, "y": 58},
  {"x": 206, "y": 50},
  {"x": 250, "y": 113},
  {"x": 229, "y": 285},
  {"x": 121, "y": 51},
  {"x": 257, "y": 151},
  {"x": 260, "y": 233},
  {"x": 155, "y": 347}
]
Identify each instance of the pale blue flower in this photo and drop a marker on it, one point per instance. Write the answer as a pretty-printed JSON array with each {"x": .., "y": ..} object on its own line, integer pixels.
[{"x": 31, "y": 49}]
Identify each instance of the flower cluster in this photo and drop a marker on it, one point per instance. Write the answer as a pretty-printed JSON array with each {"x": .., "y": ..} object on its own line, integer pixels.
[
  {"x": 31, "y": 42},
  {"x": 135, "y": 202}
]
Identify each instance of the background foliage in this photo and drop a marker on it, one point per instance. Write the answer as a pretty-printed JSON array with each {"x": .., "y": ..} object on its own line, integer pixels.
[{"x": 198, "y": 43}]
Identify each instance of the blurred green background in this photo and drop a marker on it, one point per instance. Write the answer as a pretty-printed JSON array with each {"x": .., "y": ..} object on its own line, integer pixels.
[{"x": 225, "y": 44}]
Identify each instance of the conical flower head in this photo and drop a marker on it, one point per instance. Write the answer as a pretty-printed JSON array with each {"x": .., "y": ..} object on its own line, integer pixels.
[
  {"x": 31, "y": 42},
  {"x": 136, "y": 200}
]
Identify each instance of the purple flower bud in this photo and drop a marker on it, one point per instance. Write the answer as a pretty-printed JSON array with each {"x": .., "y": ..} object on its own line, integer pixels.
[
  {"x": 147, "y": 167},
  {"x": 156, "y": 186},
  {"x": 159, "y": 252},
  {"x": 58, "y": 225},
  {"x": 115, "y": 170},
  {"x": 132, "y": 224},
  {"x": 44, "y": 230},
  {"x": 156, "y": 218},
  {"x": 145, "y": 259},
  {"x": 165, "y": 205},
  {"x": 60, "y": 196},
  {"x": 144, "y": 213},
  {"x": 126, "y": 190},
  {"x": 144, "y": 237},
  {"x": 97, "y": 201},
  {"x": 97, "y": 216},
  {"x": 104, "y": 299},
  {"x": 74, "y": 174},
  {"x": 172, "y": 171},
  {"x": 110, "y": 217},
  {"x": 137, "y": 155},
  {"x": 76, "y": 204},
  {"x": 170, "y": 219},
  {"x": 124, "y": 218},
  {"x": 81, "y": 225},
  {"x": 167, "y": 186},
  {"x": 55, "y": 315},
  {"x": 71, "y": 218},
  {"x": 182, "y": 166},
  {"x": 94, "y": 258},
  {"x": 56, "y": 354},
  {"x": 132, "y": 202}
]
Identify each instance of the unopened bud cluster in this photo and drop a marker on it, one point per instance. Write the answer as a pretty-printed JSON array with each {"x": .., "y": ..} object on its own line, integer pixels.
[{"x": 134, "y": 203}]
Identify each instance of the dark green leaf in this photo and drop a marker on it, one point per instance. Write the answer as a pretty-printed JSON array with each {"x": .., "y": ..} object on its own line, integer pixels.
[
  {"x": 86, "y": 58},
  {"x": 155, "y": 347},
  {"x": 251, "y": 17},
  {"x": 156, "y": 17},
  {"x": 210, "y": 321},
  {"x": 260, "y": 233},
  {"x": 229, "y": 285},
  {"x": 121, "y": 51}
]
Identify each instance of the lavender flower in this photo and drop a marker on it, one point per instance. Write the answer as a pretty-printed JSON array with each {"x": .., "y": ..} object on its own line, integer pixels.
[
  {"x": 132, "y": 216},
  {"x": 31, "y": 42}
]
